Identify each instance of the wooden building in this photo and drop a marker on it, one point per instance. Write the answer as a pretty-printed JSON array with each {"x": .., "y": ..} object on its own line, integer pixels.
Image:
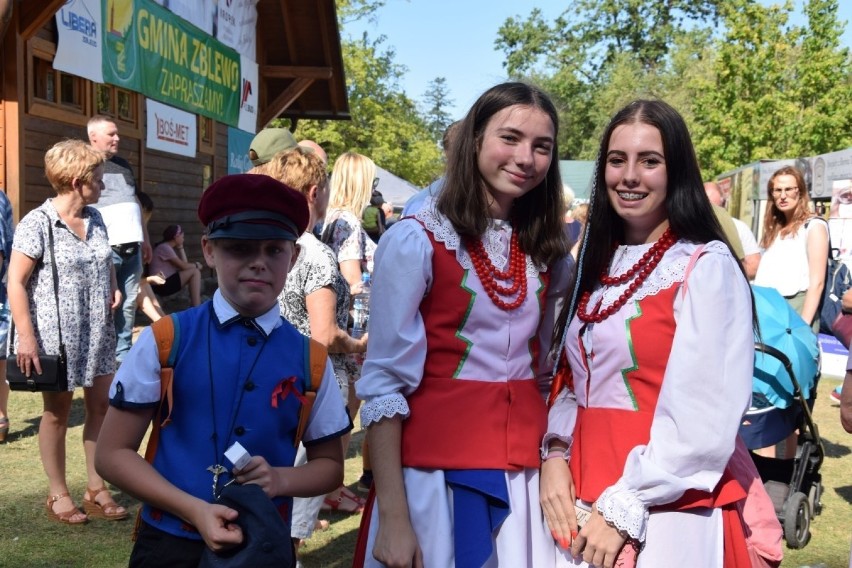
[{"x": 300, "y": 69}]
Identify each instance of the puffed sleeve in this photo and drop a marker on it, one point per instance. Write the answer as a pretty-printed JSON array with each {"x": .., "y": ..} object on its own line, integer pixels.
[
  {"x": 137, "y": 381},
  {"x": 396, "y": 350},
  {"x": 705, "y": 391},
  {"x": 328, "y": 418}
]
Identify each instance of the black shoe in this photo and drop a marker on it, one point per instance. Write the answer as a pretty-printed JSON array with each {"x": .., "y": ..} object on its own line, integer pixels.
[{"x": 366, "y": 481}]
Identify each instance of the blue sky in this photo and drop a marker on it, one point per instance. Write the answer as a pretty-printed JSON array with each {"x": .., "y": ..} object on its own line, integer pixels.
[{"x": 455, "y": 39}]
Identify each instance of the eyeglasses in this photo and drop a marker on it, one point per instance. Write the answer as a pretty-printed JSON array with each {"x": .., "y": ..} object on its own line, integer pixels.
[
  {"x": 777, "y": 191},
  {"x": 375, "y": 183}
]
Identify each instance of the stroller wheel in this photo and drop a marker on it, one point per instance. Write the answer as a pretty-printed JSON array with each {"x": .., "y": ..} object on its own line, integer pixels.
[
  {"x": 797, "y": 520},
  {"x": 815, "y": 498}
]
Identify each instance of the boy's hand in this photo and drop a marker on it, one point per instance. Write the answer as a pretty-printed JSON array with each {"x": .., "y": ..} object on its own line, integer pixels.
[
  {"x": 217, "y": 526},
  {"x": 259, "y": 472}
]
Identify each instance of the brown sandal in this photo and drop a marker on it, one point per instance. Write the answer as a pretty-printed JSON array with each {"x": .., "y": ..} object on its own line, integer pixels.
[
  {"x": 65, "y": 517},
  {"x": 110, "y": 510}
]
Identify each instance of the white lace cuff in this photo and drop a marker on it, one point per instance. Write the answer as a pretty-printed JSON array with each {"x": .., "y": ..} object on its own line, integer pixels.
[
  {"x": 385, "y": 406},
  {"x": 623, "y": 509},
  {"x": 549, "y": 437}
]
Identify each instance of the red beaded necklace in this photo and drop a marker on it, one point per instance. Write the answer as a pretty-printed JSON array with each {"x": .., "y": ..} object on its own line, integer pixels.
[
  {"x": 489, "y": 274},
  {"x": 639, "y": 272}
]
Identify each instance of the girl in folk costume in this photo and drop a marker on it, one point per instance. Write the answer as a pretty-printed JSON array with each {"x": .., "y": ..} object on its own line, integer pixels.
[
  {"x": 455, "y": 373},
  {"x": 660, "y": 349}
]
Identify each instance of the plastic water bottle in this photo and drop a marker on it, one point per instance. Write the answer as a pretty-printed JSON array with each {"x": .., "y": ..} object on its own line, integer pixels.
[
  {"x": 361, "y": 308},
  {"x": 361, "y": 312}
]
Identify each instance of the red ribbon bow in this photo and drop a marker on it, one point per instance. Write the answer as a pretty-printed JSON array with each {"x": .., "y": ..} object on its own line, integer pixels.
[{"x": 284, "y": 389}]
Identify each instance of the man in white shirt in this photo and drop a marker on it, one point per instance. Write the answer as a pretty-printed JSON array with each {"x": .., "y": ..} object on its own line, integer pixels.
[{"x": 128, "y": 235}]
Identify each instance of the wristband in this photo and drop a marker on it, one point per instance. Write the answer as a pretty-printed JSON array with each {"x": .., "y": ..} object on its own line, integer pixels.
[{"x": 556, "y": 453}]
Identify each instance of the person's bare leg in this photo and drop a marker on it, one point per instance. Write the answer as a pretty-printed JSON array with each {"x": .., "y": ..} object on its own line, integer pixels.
[
  {"x": 96, "y": 399},
  {"x": 52, "y": 432},
  {"x": 192, "y": 278}
]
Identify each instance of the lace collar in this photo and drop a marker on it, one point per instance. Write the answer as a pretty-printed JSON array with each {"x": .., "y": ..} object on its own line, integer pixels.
[
  {"x": 495, "y": 240},
  {"x": 670, "y": 271}
]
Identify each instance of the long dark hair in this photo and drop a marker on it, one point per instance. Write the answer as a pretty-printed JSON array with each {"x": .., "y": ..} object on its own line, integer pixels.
[
  {"x": 689, "y": 212},
  {"x": 537, "y": 216}
]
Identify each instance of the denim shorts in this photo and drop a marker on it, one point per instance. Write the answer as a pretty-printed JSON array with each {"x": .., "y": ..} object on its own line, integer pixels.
[{"x": 5, "y": 318}]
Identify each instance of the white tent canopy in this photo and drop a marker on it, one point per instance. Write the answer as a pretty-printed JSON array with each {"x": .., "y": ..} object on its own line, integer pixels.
[{"x": 393, "y": 188}]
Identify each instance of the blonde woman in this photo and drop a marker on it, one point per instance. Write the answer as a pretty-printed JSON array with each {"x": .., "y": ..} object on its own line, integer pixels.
[
  {"x": 316, "y": 300},
  {"x": 580, "y": 215},
  {"x": 88, "y": 289},
  {"x": 794, "y": 244},
  {"x": 352, "y": 183},
  {"x": 351, "y": 188}
]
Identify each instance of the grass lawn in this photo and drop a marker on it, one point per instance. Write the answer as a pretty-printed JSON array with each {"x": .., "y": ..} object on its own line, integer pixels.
[{"x": 29, "y": 540}]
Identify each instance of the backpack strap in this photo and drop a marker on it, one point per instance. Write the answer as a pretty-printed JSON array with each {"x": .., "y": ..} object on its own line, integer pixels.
[
  {"x": 165, "y": 330},
  {"x": 316, "y": 356}
]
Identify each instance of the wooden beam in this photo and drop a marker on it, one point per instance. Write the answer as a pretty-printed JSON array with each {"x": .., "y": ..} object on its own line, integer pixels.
[
  {"x": 283, "y": 101},
  {"x": 295, "y": 72},
  {"x": 34, "y": 13}
]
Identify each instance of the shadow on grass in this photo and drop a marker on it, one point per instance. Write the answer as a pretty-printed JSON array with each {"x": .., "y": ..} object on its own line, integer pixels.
[
  {"x": 833, "y": 450},
  {"x": 76, "y": 418},
  {"x": 331, "y": 553},
  {"x": 845, "y": 493}
]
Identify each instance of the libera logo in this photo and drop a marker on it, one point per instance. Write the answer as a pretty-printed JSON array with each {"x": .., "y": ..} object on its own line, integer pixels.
[{"x": 84, "y": 23}]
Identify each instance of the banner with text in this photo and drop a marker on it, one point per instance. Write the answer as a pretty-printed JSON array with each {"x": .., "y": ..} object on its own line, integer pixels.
[
  {"x": 171, "y": 130},
  {"x": 78, "y": 50},
  {"x": 150, "y": 50},
  {"x": 236, "y": 26},
  {"x": 239, "y": 143},
  {"x": 248, "y": 96}
]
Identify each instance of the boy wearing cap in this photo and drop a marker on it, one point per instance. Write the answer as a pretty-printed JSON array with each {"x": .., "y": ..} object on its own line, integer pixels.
[{"x": 237, "y": 375}]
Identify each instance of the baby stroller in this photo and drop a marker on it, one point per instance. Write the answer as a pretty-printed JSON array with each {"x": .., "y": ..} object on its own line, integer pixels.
[{"x": 781, "y": 405}]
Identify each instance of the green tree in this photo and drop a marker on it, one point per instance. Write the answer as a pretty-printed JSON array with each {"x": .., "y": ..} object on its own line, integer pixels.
[
  {"x": 385, "y": 124},
  {"x": 822, "y": 88},
  {"x": 779, "y": 91},
  {"x": 742, "y": 110},
  {"x": 754, "y": 87},
  {"x": 437, "y": 100},
  {"x": 593, "y": 33},
  {"x": 599, "y": 55}
]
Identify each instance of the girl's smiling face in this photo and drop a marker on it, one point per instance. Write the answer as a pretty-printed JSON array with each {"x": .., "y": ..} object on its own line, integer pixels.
[
  {"x": 637, "y": 180},
  {"x": 514, "y": 155}
]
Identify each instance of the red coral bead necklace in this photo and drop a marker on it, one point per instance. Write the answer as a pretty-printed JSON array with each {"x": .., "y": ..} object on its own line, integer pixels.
[
  {"x": 489, "y": 274},
  {"x": 639, "y": 272}
]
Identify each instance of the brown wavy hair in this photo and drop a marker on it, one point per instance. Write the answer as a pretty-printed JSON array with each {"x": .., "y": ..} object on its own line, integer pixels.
[
  {"x": 537, "y": 216},
  {"x": 774, "y": 222}
]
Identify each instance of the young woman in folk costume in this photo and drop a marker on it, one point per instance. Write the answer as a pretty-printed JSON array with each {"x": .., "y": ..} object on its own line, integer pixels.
[
  {"x": 455, "y": 372},
  {"x": 660, "y": 349}
]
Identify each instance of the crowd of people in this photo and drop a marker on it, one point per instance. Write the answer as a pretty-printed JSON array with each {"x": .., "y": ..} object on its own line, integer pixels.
[{"x": 528, "y": 385}]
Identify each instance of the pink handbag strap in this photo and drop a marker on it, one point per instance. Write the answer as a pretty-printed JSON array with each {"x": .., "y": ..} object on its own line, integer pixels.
[{"x": 689, "y": 268}]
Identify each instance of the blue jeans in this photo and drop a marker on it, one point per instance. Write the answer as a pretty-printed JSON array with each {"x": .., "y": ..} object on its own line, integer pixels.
[{"x": 128, "y": 272}]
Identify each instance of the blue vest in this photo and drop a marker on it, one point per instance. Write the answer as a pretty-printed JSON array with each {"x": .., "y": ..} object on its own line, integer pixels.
[{"x": 246, "y": 371}]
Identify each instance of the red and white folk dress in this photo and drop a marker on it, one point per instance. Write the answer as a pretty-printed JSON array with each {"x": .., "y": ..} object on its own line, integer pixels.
[
  {"x": 466, "y": 376},
  {"x": 659, "y": 388}
]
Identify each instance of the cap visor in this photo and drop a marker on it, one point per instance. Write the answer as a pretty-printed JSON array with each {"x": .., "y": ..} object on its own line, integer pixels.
[{"x": 253, "y": 231}]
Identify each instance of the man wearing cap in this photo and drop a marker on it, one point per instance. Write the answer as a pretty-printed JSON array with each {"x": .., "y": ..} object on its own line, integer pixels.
[
  {"x": 269, "y": 142},
  {"x": 239, "y": 371},
  {"x": 128, "y": 235}
]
